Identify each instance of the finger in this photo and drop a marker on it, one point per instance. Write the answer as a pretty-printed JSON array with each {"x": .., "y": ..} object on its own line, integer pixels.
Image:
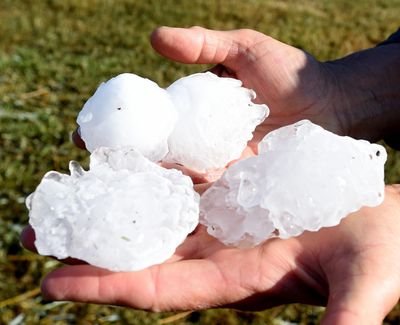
[
  {"x": 359, "y": 302},
  {"x": 185, "y": 285},
  {"x": 200, "y": 45},
  {"x": 28, "y": 238},
  {"x": 77, "y": 140},
  {"x": 28, "y": 241}
]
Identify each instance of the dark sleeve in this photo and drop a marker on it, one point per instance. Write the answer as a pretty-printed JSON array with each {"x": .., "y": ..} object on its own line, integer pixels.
[
  {"x": 392, "y": 140},
  {"x": 394, "y": 38}
]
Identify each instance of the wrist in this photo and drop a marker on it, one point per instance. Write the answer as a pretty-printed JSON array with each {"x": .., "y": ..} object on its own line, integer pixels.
[{"x": 365, "y": 92}]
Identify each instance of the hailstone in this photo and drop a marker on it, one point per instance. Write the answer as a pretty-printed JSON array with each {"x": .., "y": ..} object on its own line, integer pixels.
[
  {"x": 128, "y": 110},
  {"x": 216, "y": 118},
  {"x": 124, "y": 214},
  {"x": 304, "y": 178},
  {"x": 201, "y": 121}
]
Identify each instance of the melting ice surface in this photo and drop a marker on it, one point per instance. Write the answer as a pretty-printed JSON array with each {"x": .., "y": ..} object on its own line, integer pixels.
[
  {"x": 201, "y": 121},
  {"x": 216, "y": 118},
  {"x": 124, "y": 214},
  {"x": 128, "y": 111},
  {"x": 304, "y": 178}
]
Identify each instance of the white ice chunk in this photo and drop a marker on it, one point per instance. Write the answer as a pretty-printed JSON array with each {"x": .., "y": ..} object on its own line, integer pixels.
[
  {"x": 202, "y": 120},
  {"x": 128, "y": 111},
  {"x": 124, "y": 214},
  {"x": 304, "y": 178},
  {"x": 216, "y": 120}
]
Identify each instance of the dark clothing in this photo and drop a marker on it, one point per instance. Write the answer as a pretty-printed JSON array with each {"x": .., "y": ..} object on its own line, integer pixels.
[
  {"x": 392, "y": 140},
  {"x": 394, "y": 38}
]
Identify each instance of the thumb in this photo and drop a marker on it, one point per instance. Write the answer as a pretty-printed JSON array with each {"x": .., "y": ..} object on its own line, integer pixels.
[
  {"x": 200, "y": 45},
  {"x": 364, "y": 300}
]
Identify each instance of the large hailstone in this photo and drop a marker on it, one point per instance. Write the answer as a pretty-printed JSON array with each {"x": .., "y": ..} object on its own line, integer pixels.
[
  {"x": 304, "y": 178},
  {"x": 202, "y": 121},
  {"x": 128, "y": 111},
  {"x": 124, "y": 214},
  {"x": 216, "y": 118}
]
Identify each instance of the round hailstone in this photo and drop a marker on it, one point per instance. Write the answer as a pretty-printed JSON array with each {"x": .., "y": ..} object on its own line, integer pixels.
[
  {"x": 128, "y": 111},
  {"x": 124, "y": 214},
  {"x": 216, "y": 118},
  {"x": 304, "y": 178}
]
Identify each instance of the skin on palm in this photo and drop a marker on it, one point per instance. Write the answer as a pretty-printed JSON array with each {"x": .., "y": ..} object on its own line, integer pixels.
[{"x": 354, "y": 267}]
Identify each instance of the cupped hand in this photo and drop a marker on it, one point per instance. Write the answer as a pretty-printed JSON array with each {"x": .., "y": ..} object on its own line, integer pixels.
[
  {"x": 354, "y": 268},
  {"x": 291, "y": 82}
]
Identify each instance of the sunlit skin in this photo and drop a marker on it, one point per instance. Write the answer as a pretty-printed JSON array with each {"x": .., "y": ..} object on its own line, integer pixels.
[{"x": 353, "y": 268}]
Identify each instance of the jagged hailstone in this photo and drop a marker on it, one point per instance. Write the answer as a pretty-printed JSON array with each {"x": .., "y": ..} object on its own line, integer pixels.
[
  {"x": 304, "y": 178},
  {"x": 216, "y": 118},
  {"x": 128, "y": 111},
  {"x": 124, "y": 214}
]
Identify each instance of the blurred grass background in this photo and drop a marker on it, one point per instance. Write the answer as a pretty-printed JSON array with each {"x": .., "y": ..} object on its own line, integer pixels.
[{"x": 53, "y": 55}]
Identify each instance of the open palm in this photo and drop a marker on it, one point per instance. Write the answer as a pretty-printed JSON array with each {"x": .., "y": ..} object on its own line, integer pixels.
[{"x": 353, "y": 267}]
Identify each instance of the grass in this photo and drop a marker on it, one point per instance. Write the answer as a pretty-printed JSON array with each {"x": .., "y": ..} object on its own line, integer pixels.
[{"x": 53, "y": 54}]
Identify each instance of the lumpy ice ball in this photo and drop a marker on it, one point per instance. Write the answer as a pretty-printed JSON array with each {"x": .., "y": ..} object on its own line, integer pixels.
[
  {"x": 304, "y": 178},
  {"x": 124, "y": 214},
  {"x": 128, "y": 111},
  {"x": 201, "y": 121},
  {"x": 216, "y": 118}
]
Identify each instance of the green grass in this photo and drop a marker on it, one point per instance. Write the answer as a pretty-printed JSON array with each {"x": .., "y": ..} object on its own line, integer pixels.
[{"x": 53, "y": 54}]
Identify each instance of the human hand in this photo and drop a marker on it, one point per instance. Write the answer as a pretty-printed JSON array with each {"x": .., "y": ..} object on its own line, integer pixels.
[
  {"x": 357, "y": 95},
  {"x": 291, "y": 82},
  {"x": 353, "y": 268}
]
